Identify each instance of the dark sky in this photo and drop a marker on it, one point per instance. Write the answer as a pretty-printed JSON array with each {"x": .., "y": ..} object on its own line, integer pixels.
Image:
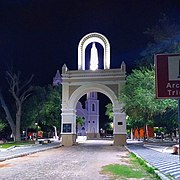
[{"x": 39, "y": 36}]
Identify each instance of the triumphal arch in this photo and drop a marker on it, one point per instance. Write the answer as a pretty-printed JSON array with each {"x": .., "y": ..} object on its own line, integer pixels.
[{"x": 76, "y": 83}]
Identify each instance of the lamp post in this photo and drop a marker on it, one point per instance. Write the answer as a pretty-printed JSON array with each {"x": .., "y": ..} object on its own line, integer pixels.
[{"x": 36, "y": 124}]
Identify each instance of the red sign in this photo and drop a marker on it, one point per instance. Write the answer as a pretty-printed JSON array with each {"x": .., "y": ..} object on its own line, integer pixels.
[{"x": 167, "y": 75}]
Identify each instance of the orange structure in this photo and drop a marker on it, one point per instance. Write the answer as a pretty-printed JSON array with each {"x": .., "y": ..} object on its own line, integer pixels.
[{"x": 150, "y": 132}]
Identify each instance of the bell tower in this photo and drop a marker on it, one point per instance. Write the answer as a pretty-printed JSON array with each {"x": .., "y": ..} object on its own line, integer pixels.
[{"x": 92, "y": 107}]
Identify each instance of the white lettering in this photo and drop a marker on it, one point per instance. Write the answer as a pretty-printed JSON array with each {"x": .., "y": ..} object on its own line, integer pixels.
[
  {"x": 173, "y": 85},
  {"x": 169, "y": 92},
  {"x": 168, "y": 85},
  {"x": 173, "y": 93}
]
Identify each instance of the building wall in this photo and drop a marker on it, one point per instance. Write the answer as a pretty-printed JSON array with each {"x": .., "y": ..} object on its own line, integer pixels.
[
  {"x": 90, "y": 114},
  {"x": 150, "y": 133}
]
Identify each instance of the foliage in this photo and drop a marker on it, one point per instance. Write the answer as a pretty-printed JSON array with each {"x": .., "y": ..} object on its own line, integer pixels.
[
  {"x": 165, "y": 39},
  {"x": 134, "y": 123},
  {"x": 140, "y": 104},
  {"x": 50, "y": 112},
  {"x": 2, "y": 125},
  {"x": 32, "y": 107},
  {"x": 43, "y": 107},
  {"x": 109, "y": 126},
  {"x": 109, "y": 111},
  {"x": 138, "y": 97},
  {"x": 168, "y": 121},
  {"x": 79, "y": 121}
]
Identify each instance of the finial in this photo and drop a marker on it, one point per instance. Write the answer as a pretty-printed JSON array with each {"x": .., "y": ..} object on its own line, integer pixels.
[
  {"x": 123, "y": 66},
  {"x": 64, "y": 69},
  {"x": 57, "y": 79}
]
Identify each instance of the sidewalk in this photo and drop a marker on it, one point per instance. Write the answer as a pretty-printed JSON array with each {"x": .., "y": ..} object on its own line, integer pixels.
[
  {"x": 158, "y": 155},
  {"x": 25, "y": 150}
]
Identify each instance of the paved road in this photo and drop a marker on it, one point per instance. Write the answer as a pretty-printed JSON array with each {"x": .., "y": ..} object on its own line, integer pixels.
[
  {"x": 155, "y": 155},
  {"x": 82, "y": 162}
]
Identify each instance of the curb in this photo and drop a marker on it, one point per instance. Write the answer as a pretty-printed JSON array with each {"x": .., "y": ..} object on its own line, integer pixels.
[
  {"x": 160, "y": 174},
  {"x": 12, "y": 147},
  {"x": 28, "y": 153}
]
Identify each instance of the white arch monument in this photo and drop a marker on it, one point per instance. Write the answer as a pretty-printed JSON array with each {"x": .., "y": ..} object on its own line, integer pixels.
[{"x": 76, "y": 83}]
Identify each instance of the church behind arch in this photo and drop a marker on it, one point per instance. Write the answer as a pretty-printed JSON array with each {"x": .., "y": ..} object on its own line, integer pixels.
[{"x": 76, "y": 83}]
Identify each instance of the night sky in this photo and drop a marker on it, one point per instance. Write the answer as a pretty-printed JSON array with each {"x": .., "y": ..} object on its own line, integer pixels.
[{"x": 39, "y": 36}]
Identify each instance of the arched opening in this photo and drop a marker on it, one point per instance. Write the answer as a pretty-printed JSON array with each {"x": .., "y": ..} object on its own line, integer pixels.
[
  {"x": 90, "y": 38},
  {"x": 69, "y": 117},
  {"x": 105, "y": 123},
  {"x": 94, "y": 123}
]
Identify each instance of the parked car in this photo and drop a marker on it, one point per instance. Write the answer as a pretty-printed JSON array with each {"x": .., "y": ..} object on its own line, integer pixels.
[{"x": 158, "y": 135}]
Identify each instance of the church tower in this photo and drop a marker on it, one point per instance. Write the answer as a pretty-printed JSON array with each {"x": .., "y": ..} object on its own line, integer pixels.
[
  {"x": 57, "y": 79},
  {"x": 92, "y": 107}
]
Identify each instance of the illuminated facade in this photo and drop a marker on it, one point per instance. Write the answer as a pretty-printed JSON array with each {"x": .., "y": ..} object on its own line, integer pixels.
[
  {"x": 90, "y": 113},
  {"x": 76, "y": 83}
]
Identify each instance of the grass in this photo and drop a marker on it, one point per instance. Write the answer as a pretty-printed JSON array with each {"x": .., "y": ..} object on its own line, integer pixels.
[
  {"x": 137, "y": 168},
  {"x": 123, "y": 171},
  {"x": 11, "y": 144}
]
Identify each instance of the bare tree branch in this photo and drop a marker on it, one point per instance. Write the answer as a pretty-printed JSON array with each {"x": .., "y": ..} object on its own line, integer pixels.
[
  {"x": 20, "y": 91},
  {"x": 8, "y": 114},
  {"x": 25, "y": 94},
  {"x": 27, "y": 82}
]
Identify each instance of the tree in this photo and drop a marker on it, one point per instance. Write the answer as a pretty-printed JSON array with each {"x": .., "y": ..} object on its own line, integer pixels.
[
  {"x": 135, "y": 124},
  {"x": 167, "y": 121},
  {"x": 31, "y": 108},
  {"x": 8, "y": 115},
  {"x": 109, "y": 111},
  {"x": 79, "y": 121},
  {"x": 19, "y": 90},
  {"x": 138, "y": 97},
  {"x": 164, "y": 39},
  {"x": 50, "y": 112},
  {"x": 43, "y": 107}
]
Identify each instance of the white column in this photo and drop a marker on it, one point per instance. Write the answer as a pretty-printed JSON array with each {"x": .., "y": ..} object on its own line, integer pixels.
[
  {"x": 68, "y": 117},
  {"x": 97, "y": 124},
  {"x": 132, "y": 137},
  {"x": 119, "y": 123}
]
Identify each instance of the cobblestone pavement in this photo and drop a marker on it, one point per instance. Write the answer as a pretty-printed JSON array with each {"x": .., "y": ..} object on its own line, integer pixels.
[
  {"x": 82, "y": 162},
  {"x": 165, "y": 162}
]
